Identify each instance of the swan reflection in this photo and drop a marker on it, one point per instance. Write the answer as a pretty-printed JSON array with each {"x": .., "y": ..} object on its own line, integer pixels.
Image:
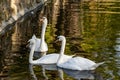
[
  {"x": 75, "y": 74},
  {"x": 32, "y": 72},
  {"x": 80, "y": 75},
  {"x": 44, "y": 69},
  {"x": 117, "y": 45},
  {"x": 83, "y": 74},
  {"x": 52, "y": 67}
]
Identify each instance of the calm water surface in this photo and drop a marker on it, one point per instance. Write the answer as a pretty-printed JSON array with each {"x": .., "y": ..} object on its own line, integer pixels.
[{"x": 92, "y": 30}]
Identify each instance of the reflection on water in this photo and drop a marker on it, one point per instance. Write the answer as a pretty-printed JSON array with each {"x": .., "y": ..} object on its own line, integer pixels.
[
  {"x": 83, "y": 75},
  {"x": 46, "y": 68},
  {"x": 78, "y": 75},
  {"x": 117, "y": 46},
  {"x": 117, "y": 49},
  {"x": 91, "y": 28}
]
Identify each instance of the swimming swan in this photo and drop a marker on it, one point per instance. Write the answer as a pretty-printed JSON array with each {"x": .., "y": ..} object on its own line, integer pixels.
[
  {"x": 46, "y": 59},
  {"x": 41, "y": 45},
  {"x": 75, "y": 63}
]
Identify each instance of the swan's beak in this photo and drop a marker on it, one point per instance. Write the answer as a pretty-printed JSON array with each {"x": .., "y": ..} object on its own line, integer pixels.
[
  {"x": 41, "y": 20},
  {"x": 29, "y": 40},
  {"x": 28, "y": 44},
  {"x": 56, "y": 41}
]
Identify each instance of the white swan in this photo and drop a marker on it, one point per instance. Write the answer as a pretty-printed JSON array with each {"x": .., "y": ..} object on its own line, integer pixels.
[
  {"x": 76, "y": 63},
  {"x": 46, "y": 59},
  {"x": 41, "y": 45}
]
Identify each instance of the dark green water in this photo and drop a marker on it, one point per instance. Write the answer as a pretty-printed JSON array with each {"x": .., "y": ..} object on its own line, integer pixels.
[{"x": 92, "y": 30}]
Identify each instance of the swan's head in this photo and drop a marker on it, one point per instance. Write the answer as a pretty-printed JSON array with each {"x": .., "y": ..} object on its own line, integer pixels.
[
  {"x": 44, "y": 20},
  {"x": 34, "y": 37},
  {"x": 31, "y": 41},
  {"x": 61, "y": 38}
]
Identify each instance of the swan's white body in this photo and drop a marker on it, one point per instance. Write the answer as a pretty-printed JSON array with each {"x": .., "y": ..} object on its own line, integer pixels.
[
  {"x": 46, "y": 59},
  {"x": 79, "y": 63},
  {"x": 51, "y": 59},
  {"x": 41, "y": 45},
  {"x": 76, "y": 63}
]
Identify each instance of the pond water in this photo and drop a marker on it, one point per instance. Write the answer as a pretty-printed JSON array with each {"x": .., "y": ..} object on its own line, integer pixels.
[{"x": 91, "y": 28}]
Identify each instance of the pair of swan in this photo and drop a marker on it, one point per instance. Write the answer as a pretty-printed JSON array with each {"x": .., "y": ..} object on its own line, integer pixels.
[
  {"x": 62, "y": 60},
  {"x": 46, "y": 59}
]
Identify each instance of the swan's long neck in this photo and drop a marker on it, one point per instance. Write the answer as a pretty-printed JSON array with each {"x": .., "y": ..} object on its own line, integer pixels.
[
  {"x": 44, "y": 25},
  {"x": 62, "y": 47},
  {"x": 31, "y": 54},
  {"x": 61, "y": 51}
]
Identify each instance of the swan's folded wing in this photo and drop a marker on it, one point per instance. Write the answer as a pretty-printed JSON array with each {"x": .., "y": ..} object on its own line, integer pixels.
[
  {"x": 49, "y": 59},
  {"x": 77, "y": 63},
  {"x": 52, "y": 58}
]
